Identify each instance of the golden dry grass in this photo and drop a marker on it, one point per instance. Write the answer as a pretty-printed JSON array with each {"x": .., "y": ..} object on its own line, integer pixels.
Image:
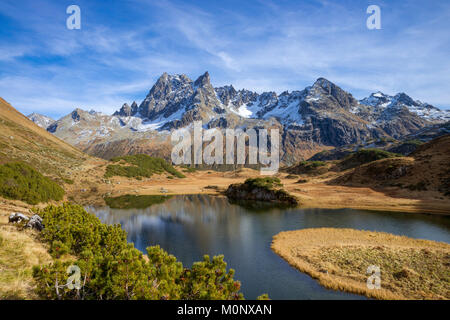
[
  {"x": 20, "y": 250},
  {"x": 339, "y": 258}
]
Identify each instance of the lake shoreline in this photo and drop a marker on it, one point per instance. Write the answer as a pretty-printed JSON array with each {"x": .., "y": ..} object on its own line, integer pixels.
[{"x": 311, "y": 195}]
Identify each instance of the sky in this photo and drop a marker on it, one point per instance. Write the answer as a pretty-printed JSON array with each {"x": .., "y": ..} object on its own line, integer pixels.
[{"x": 124, "y": 46}]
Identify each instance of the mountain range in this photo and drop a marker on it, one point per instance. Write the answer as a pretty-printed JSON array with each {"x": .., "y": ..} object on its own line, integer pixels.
[{"x": 318, "y": 117}]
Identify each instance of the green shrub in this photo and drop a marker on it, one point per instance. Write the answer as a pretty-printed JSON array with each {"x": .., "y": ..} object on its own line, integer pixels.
[
  {"x": 309, "y": 167},
  {"x": 189, "y": 169},
  {"x": 112, "y": 269},
  {"x": 267, "y": 183},
  {"x": 20, "y": 181},
  {"x": 415, "y": 142},
  {"x": 312, "y": 164},
  {"x": 71, "y": 226},
  {"x": 140, "y": 165}
]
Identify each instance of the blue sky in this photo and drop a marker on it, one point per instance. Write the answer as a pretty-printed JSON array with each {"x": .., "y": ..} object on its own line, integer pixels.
[{"x": 124, "y": 46}]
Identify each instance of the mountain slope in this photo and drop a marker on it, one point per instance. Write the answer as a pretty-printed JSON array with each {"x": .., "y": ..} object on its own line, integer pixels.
[
  {"x": 23, "y": 140},
  {"x": 427, "y": 169}
]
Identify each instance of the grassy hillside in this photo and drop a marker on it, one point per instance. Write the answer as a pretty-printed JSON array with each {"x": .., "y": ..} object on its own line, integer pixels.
[
  {"x": 22, "y": 140},
  {"x": 426, "y": 170},
  {"x": 139, "y": 166}
]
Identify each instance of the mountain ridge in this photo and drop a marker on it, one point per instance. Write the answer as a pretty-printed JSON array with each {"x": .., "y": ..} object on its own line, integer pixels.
[{"x": 320, "y": 115}]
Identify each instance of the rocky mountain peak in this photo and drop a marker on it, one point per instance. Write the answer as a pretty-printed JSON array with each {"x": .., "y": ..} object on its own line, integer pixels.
[
  {"x": 403, "y": 98},
  {"x": 226, "y": 94},
  {"x": 203, "y": 80},
  {"x": 41, "y": 120},
  {"x": 126, "y": 110},
  {"x": 323, "y": 83},
  {"x": 168, "y": 91},
  {"x": 330, "y": 95},
  {"x": 376, "y": 99}
]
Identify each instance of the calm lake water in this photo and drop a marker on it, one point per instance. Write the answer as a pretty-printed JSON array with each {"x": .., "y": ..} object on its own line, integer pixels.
[{"x": 193, "y": 225}]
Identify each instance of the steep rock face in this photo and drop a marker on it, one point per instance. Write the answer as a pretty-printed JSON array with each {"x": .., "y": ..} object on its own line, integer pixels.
[
  {"x": 166, "y": 96},
  {"x": 327, "y": 108},
  {"x": 178, "y": 98},
  {"x": 126, "y": 110},
  {"x": 398, "y": 121},
  {"x": 310, "y": 120}
]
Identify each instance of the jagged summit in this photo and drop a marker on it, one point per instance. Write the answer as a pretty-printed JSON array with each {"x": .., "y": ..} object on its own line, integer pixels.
[
  {"x": 203, "y": 80},
  {"x": 126, "y": 110}
]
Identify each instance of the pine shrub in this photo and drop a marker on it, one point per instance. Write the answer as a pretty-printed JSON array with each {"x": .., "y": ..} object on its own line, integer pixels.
[
  {"x": 110, "y": 268},
  {"x": 20, "y": 181}
]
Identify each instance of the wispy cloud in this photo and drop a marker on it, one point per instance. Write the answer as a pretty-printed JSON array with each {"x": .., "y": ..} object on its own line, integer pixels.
[{"x": 259, "y": 45}]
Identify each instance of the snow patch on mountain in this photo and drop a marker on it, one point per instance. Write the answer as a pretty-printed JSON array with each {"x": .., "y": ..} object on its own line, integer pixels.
[{"x": 380, "y": 101}]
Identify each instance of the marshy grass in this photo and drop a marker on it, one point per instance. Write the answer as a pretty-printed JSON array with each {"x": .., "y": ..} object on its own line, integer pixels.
[{"x": 339, "y": 258}]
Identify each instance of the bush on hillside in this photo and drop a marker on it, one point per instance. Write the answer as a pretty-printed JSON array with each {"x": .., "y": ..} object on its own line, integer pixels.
[
  {"x": 138, "y": 166},
  {"x": 20, "y": 181},
  {"x": 112, "y": 269},
  {"x": 309, "y": 167},
  {"x": 364, "y": 156}
]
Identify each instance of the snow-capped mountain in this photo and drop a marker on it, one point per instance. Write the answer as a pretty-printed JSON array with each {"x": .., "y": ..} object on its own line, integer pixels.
[
  {"x": 41, "y": 120},
  {"x": 380, "y": 101},
  {"x": 320, "y": 115}
]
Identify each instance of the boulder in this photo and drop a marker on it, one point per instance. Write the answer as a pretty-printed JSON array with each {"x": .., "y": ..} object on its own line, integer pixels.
[
  {"x": 35, "y": 222},
  {"x": 17, "y": 217}
]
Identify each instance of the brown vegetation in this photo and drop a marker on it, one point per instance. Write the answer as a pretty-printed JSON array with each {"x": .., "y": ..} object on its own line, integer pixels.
[{"x": 339, "y": 259}]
